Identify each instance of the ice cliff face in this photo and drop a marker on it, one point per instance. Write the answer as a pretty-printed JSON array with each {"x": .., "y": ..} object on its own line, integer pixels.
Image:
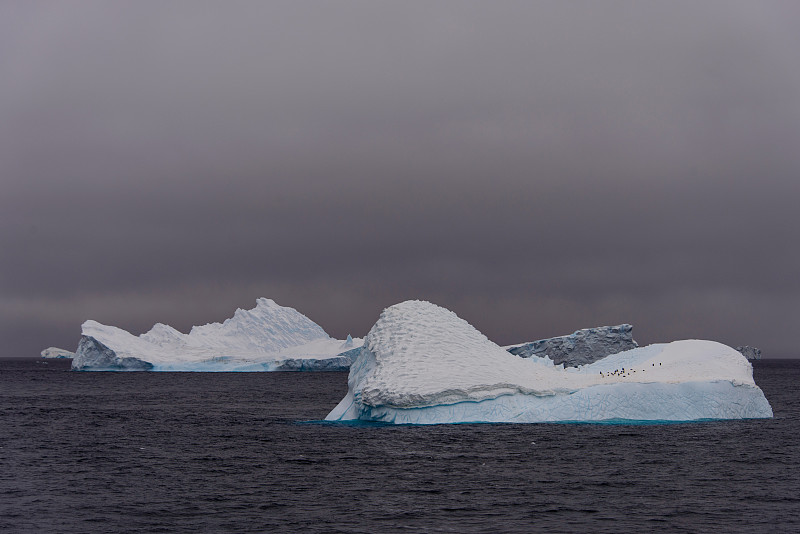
[
  {"x": 583, "y": 347},
  {"x": 93, "y": 355},
  {"x": 55, "y": 352},
  {"x": 265, "y": 338},
  {"x": 422, "y": 364},
  {"x": 341, "y": 362}
]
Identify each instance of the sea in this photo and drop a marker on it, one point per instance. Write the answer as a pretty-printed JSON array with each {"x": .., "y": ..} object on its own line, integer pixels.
[{"x": 85, "y": 452}]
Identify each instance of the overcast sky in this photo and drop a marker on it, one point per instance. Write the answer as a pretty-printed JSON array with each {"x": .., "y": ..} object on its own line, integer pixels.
[{"x": 537, "y": 167}]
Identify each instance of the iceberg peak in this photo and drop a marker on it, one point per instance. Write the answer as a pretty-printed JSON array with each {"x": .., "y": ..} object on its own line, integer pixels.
[
  {"x": 348, "y": 343},
  {"x": 263, "y": 301},
  {"x": 266, "y": 328}
]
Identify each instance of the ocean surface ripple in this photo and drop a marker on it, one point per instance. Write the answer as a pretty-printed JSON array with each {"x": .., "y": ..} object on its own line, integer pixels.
[{"x": 235, "y": 452}]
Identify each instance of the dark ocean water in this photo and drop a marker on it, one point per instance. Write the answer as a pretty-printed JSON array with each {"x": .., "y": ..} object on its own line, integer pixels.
[{"x": 220, "y": 452}]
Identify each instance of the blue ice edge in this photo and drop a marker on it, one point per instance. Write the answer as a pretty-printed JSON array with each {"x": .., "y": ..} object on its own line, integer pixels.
[
  {"x": 628, "y": 403},
  {"x": 358, "y": 423}
]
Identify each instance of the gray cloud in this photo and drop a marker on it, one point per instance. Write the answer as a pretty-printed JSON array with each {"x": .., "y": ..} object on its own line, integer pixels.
[{"x": 536, "y": 167}]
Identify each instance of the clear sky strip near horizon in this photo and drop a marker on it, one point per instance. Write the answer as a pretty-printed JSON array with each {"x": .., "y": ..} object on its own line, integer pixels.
[{"x": 535, "y": 167}]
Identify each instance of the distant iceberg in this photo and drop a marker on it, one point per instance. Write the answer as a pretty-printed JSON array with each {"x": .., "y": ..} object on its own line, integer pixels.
[
  {"x": 751, "y": 353},
  {"x": 56, "y": 353},
  {"x": 422, "y": 364},
  {"x": 591, "y": 344},
  {"x": 582, "y": 347},
  {"x": 268, "y": 337}
]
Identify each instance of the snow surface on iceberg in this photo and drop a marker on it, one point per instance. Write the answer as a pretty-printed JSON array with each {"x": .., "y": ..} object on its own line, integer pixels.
[
  {"x": 422, "y": 364},
  {"x": 266, "y": 338}
]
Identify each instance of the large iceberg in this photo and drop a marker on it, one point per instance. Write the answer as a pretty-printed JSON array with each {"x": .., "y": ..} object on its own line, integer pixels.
[
  {"x": 422, "y": 364},
  {"x": 268, "y": 337}
]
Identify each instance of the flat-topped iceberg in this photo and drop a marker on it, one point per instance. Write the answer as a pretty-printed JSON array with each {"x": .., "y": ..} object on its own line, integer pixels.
[
  {"x": 422, "y": 364},
  {"x": 56, "y": 353},
  {"x": 268, "y": 337}
]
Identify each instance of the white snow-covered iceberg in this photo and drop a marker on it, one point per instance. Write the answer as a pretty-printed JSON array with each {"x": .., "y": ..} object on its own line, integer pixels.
[
  {"x": 422, "y": 364},
  {"x": 57, "y": 353},
  {"x": 268, "y": 337}
]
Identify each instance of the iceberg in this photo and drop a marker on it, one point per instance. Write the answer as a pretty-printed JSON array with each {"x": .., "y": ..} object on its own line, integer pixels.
[
  {"x": 56, "y": 353},
  {"x": 751, "y": 353},
  {"x": 268, "y": 337},
  {"x": 582, "y": 347},
  {"x": 422, "y": 364}
]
